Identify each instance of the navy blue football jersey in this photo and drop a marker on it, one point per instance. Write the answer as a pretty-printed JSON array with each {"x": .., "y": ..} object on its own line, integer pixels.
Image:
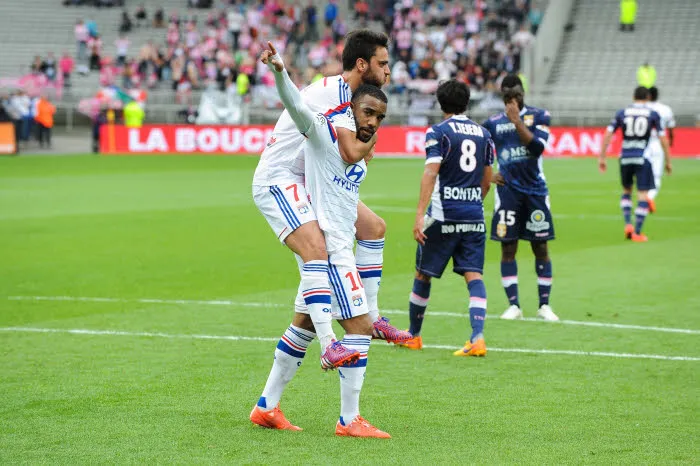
[
  {"x": 521, "y": 169},
  {"x": 462, "y": 148},
  {"x": 636, "y": 122}
]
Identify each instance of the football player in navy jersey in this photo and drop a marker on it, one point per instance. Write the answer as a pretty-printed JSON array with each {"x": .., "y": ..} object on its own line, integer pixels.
[
  {"x": 522, "y": 199},
  {"x": 637, "y": 122},
  {"x": 450, "y": 213}
]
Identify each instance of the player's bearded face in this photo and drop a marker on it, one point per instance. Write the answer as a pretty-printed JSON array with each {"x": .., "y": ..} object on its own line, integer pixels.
[
  {"x": 377, "y": 72},
  {"x": 369, "y": 113}
]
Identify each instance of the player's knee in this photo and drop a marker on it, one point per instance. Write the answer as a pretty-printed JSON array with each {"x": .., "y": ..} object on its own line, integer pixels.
[
  {"x": 308, "y": 242},
  {"x": 471, "y": 276},
  {"x": 377, "y": 228},
  {"x": 540, "y": 250},
  {"x": 371, "y": 227},
  {"x": 508, "y": 251},
  {"x": 422, "y": 277}
]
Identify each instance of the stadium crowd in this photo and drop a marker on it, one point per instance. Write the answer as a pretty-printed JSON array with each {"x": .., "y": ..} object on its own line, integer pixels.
[{"x": 475, "y": 41}]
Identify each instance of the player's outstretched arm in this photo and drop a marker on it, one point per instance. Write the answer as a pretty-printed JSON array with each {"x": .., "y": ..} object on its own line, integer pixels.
[
  {"x": 301, "y": 114},
  {"x": 427, "y": 185}
]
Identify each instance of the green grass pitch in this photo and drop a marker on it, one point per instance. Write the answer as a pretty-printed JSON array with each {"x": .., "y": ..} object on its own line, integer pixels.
[{"x": 177, "y": 253}]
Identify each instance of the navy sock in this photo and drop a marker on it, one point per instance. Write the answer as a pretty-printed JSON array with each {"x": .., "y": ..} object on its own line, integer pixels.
[
  {"x": 544, "y": 280},
  {"x": 417, "y": 304},
  {"x": 509, "y": 278},
  {"x": 477, "y": 308},
  {"x": 626, "y": 206},
  {"x": 641, "y": 215}
]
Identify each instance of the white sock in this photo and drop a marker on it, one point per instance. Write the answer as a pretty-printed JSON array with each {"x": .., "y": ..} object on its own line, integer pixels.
[
  {"x": 316, "y": 291},
  {"x": 352, "y": 377},
  {"x": 289, "y": 354},
  {"x": 370, "y": 260},
  {"x": 653, "y": 192}
]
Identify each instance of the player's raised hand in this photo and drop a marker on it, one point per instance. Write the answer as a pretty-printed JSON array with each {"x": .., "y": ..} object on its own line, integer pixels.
[
  {"x": 271, "y": 58},
  {"x": 418, "y": 234},
  {"x": 512, "y": 110},
  {"x": 602, "y": 164}
]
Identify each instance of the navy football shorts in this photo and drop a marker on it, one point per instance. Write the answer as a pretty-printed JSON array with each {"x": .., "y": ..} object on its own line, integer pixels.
[
  {"x": 463, "y": 242},
  {"x": 523, "y": 216},
  {"x": 642, "y": 172}
]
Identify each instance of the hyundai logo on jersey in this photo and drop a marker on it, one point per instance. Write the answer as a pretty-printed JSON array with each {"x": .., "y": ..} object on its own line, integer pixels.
[{"x": 354, "y": 173}]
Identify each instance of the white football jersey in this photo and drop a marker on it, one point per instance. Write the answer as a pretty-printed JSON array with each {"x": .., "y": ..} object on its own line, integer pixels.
[
  {"x": 282, "y": 160},
  {"x": 667, "y": 118},
  {"x": 332, "y": 184}
]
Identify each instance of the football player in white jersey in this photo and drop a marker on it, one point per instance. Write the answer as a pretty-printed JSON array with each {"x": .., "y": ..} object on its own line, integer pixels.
[
  {"x": 280, "y": 194},
  {"x": 333, "y": 178},
  {"x": 655, "y": 152}
]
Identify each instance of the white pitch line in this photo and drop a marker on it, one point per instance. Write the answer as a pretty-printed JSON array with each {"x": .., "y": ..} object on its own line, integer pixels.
[
  {"x": 121, "y": 333},
  {"x": 230, "y": 303}
]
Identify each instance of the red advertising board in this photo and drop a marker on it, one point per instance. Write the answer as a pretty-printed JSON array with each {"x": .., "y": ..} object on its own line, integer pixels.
[{"x": 393, "y": 140}]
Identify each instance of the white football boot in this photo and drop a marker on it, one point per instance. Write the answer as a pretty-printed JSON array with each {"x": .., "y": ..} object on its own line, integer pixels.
[
  {"x": 513, "y": 313},
  {"x": 546, "y": 313}
]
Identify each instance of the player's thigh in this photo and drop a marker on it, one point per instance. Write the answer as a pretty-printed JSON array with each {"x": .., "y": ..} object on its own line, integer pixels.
[
  {"x": 538, "y": 224},
  {"x": 627, "y": 174},
  {"x": 433, "y": 256},
  {"x": 505, "y": 224},
  {"x": 645, "y": 176},
  {"x": 348, "y": 298},
  {"x": 469, "y": 253},
  {"x": 369, "y": 225},
  {"x": 291, "y": 217}
]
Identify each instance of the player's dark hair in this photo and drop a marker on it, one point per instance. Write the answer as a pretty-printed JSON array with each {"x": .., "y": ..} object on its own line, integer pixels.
[
  {"x": 362, "y": 43},
  {"x": 453, "y": 97},
  {"x": 653, "y": 93},
  {"x": 641, "y": 93},
  {"x": 511, "y": 80},
  {"x": 370, "y": 90}
]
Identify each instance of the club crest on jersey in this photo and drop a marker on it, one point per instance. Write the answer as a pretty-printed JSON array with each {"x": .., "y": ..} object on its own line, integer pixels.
[
  {"x": 357, "y": 300},
  {"x": 501, "y": 230},
  {"x": 355, "y": 173},
  {"x": 271, "y": 141},
  {"x": 303, "y": 208},
  {"x": 529, "y": 120},
  {"x": 537, "y": 221}
]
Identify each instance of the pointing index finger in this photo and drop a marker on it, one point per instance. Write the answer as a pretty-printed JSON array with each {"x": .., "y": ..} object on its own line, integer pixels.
[{"x": 272, "y": 48}]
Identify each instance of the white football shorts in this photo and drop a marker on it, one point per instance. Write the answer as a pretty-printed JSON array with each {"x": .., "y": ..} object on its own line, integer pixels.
[
  {"x": 285, "y": 207},
  {"x": 348, "y": 297}
]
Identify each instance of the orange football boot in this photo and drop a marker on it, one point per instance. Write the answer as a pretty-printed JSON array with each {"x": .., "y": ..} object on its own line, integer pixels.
[
  {"x": 415, "y": 343},
  {"x": 359, "y": 427},
  {"x": 652, "y": 206},
  {"x": 478, "y": 348},
  {"x": 273, "y": 419},
  {"x": 629, "y": 231},
  {"x": 639, "y": 238}
]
